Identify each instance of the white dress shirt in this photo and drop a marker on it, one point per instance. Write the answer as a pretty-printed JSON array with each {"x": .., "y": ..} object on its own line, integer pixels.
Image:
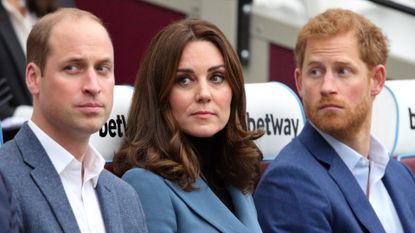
[
  {"x": 369, "y": 174},
  {"x": 22, "y": 24},
  {"x": 80, "y": 192}
]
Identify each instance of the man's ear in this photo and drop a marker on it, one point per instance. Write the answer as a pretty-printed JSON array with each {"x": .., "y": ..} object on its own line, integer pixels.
[
  {"x": 378, "y": 79},
  {"x": 298, "y": 81},
  {"x": 33, "y": 76}
]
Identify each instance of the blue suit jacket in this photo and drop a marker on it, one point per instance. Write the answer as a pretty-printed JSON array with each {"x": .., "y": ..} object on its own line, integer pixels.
[
  {"x": 308, "y": 188},
  {"x": 42, "y": 205},
  {"x": 8, "y": 215},
  {"x": 170, "y": 209}
]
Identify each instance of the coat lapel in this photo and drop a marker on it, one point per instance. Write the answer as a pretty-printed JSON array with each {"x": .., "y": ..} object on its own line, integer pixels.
[
  {"x": 345, "y": 180},
  {"x": 400, "y": 201},
  {"x": 245, "y": 209},
  {"x": 208, "y": 206},
  {"x": 46, "y": 178},
  {"x": 109, "y": 205}
]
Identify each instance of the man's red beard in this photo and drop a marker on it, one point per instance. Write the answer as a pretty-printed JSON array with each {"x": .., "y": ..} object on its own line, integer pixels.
[{"x": 343, "y": 123}]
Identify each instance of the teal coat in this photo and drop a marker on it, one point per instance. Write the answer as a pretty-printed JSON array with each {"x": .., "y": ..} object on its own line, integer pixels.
[{"x": 168, "y": 208}]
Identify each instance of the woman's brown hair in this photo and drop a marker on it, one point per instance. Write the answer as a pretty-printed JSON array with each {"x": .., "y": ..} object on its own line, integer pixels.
[{"x": 154, "y": 140}]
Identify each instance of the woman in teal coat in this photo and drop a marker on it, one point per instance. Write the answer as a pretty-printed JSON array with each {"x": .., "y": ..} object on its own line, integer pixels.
[{"x": 188, "y": 152}]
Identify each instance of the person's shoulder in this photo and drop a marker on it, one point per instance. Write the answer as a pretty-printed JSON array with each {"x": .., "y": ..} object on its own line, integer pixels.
[
  {"x": 293, "y": 154},
  {"x": 295, "y": 160},
  {"x": 8, "y": 148},
  {"x": 116, "y": 183},
  {"x": 143, "y": 181},
  {"x": 137, "y": 173},
  {"x": 10, "y": 157},
  {"x": 399, "y": 170}
]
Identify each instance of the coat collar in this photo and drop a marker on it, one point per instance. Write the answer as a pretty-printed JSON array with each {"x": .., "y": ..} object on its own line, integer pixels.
[
  {"x": 208, "y": 206},
  {"x": 46, "y": 178},
  {"x": 345, "y": 180}
]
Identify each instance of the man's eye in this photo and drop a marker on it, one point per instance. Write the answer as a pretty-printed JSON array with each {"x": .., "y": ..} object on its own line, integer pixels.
[
  {"x": 103, "y": 69},
  {"x": 344, "y": 71},
  {"x": 72, "y": 69},
  {"x": 315, "y": 72}
]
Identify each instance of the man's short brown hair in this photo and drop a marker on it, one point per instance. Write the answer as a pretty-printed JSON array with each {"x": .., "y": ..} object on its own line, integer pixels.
[
  {"x": 373, "y": 44},
  {"x": 38, "y": 48}
]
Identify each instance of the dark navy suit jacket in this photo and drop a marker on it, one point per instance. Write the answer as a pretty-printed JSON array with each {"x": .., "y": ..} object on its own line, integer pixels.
[
  {"x": 308, "y": 188},
  {"x": 42, "y": 205}
]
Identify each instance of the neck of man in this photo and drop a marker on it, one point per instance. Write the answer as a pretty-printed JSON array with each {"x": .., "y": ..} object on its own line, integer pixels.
[
  {"x": 73, "y": 142},
  {"x": 357, "y": 140}
]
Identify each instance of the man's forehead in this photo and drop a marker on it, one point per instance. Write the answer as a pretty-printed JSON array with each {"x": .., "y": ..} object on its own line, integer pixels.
[{"x": 69, "y": 27}]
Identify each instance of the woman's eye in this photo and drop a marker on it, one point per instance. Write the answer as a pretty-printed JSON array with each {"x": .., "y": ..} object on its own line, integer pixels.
[
  {"x": 183, "y": 80},
  {"x": 217, "y": 79}
]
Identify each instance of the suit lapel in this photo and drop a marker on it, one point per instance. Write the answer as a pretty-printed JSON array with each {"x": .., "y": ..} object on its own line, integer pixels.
[
  {"x": 398, "y": 197},
  {"x": 208, "y": 206},
  {"x": 46, "y": 178},
  {"x": 343, "y": 177},
  {"x": 109, "y": 205}
]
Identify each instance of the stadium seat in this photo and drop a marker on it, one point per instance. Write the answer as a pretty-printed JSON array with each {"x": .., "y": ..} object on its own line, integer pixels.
[
  {"x": 108, "y": 139},
  {"x": 276, "y": 109},
  {"x": 271, "y": 106},
  {"x": 393, "y": 119}
]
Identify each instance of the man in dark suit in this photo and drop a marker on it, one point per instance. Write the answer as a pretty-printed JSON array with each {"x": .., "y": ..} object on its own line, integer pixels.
[
  {"x": 13, "y": 90},
  {"x": 8, "y": 217},
  {"x": 336, "y": 177},
  {"x": 56, "y": 176}
]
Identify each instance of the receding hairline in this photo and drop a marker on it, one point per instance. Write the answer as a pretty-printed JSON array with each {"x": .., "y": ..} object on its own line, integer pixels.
[
  {"x": 38, "y": 43},
  {"x": 72, "y": 15},
  {"x": 69, "y": 13}
]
